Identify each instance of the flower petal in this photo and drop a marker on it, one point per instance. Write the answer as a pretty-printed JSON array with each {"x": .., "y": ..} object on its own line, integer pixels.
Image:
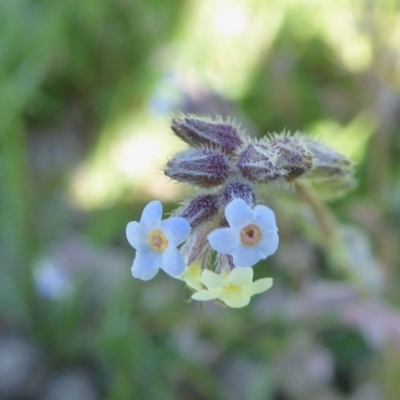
[
  {"x": 265, "y": 218},
  {"x": 235, "y": 297},
  {"x": 192, "y": 275},
  {"x": 137, "y": 236},
  {"x": 245, "y": 256},
  {"x": 268, "y": 244},
  {"x": 238, "y": 213},
  {"x": 151, "y": 215},
  {"x": 241, "y": 276},
  {"x": 260, "y": 286},
  {"x": 172, "y": 262},
  {"x": 176, "y": 230},
  {"x": 145, "y": 265},
  {"x": 224, "y": 240},
  {"x": 211, "y": 279},
  {"x": 205, "y": 295}
]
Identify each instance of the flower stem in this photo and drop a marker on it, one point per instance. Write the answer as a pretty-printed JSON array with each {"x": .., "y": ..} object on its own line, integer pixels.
[{"x": 331, "y": 237}]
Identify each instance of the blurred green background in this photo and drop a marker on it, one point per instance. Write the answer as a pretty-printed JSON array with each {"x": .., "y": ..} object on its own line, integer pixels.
[{"x": 86, "y": 87}]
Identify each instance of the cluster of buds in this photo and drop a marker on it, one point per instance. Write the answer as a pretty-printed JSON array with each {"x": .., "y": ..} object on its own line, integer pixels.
[{"x": 223, "y": 228}]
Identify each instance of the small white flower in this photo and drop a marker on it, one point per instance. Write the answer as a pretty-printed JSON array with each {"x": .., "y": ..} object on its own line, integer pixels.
[
  {"x": 252, "y": 234},
  {"x": 155, "y": 242},
  {"x": 234, "y": 288}
]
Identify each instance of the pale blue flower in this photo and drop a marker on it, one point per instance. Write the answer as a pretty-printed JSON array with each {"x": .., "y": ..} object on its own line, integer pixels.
[
  {"x": 155, "y": 242},
  {"x": 252, "y": 234},
  {"x": 51, "y": 279}
]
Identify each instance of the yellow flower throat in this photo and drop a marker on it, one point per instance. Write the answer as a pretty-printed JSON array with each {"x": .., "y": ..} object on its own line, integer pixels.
[{"x": 157, "y": 240}]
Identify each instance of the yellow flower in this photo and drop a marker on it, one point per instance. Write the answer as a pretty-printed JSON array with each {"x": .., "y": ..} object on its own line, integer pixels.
[
  {"x": 234, "y": 288},
  {"x": 191, "y": 275}
]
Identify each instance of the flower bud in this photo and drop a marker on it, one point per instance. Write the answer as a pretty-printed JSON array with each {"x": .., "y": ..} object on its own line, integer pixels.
[
  {"x": 328, "y": 162},
  {"x": 332, "y": 172},
  {"x": 224, "y": 263},
  {"x": 294, "y": 158},
  {"x": 199, "y": 209},
  {"x": 197, "y": 248},
  {"x": 238, "y": 190},
  {"x": 258, "y": 163},
  {"x": 199, "y": 132},
  {"x": 204, "y": 168}
]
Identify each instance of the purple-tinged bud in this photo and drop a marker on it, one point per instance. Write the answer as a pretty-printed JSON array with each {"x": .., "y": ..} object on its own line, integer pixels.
[
  {"x": 328, "y": 162},
  {"x": 224, "y": 263},
  {"x": 294, "y": 159},
  {"x": 197, "y": 247},
  {"x": 258, "y": 163},
  {"x": 199, "y": 209},
  {"x": 239, "y": 190},
  {"x": 204, "y": 168},
  {"x": 332, "y": 172},
  {"x": 198, "y": 132}
]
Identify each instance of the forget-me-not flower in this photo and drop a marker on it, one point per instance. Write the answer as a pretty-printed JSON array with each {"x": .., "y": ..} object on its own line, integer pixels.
[
  {"x": 234, "y": 288},
  {"x": 155, "y": 241},
  {"x": 252, "y": 234}
]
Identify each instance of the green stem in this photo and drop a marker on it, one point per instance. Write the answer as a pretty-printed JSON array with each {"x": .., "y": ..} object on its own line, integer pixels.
[
  {"x": 331, "y": 238},
  {"x": 14, "y": 196},
  {"x": 15, "y": 239}
]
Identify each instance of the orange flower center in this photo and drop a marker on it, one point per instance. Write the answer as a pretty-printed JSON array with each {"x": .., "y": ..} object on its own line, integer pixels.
[
  {"x": 157, "y": 240},
  {"x": 250, "y": 235}
]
